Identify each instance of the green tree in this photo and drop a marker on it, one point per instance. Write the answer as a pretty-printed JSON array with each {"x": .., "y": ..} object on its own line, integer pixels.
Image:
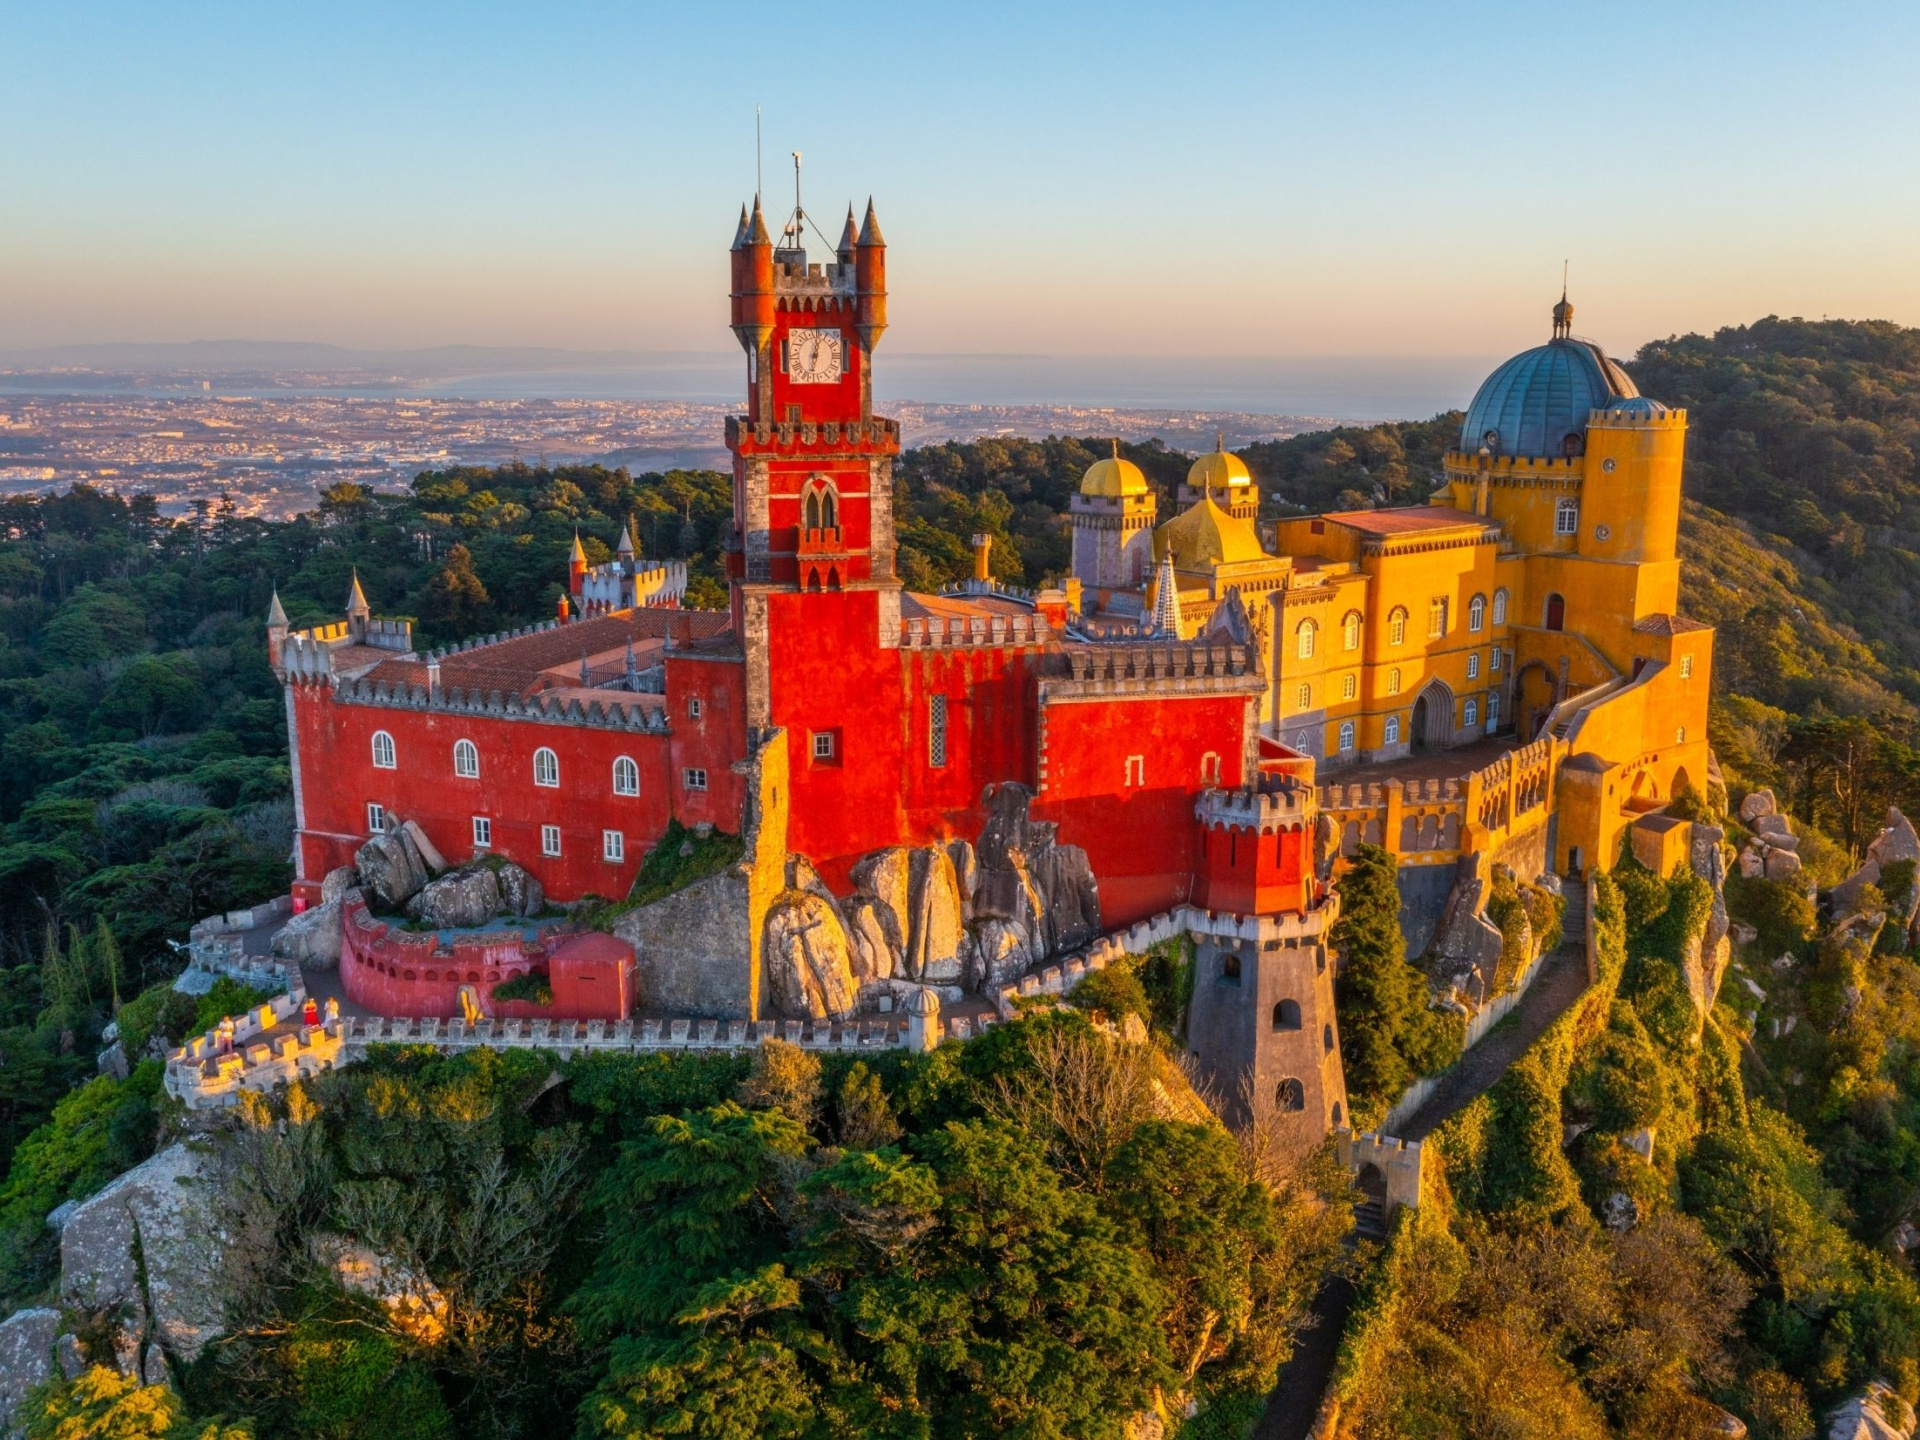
[{"x": 456, "y": 602}]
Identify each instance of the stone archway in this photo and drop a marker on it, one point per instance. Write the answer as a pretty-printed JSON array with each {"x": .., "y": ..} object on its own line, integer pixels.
[{"x": 1432, "y": 721}]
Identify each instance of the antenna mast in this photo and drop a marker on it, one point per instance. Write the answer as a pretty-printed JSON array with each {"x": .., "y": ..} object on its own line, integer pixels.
[{"x": 756, "y": 152}]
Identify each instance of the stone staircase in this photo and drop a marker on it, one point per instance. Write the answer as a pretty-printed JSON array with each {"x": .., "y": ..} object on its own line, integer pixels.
[{"x": 1573, "y": 925}]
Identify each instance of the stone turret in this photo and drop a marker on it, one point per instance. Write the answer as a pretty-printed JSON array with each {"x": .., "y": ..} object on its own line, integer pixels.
[
  {"x": 276, "y": 630},
  {"x": 358, "y": 611}
]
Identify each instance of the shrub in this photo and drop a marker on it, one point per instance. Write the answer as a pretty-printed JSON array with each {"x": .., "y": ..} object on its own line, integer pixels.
[
  {"x": 1115, "y": 992},
  {"x": 532, "y": 987}
]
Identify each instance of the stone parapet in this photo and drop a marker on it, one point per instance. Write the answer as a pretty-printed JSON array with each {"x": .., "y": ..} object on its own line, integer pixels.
[
  {"x": 1249, "y": 809},
  {"x": 616, "y": 712},
  {"x": 972, "y": 631}
]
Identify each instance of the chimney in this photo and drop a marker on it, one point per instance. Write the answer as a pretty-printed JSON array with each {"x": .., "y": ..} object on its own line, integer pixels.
[{"x": 982, "y": 547}]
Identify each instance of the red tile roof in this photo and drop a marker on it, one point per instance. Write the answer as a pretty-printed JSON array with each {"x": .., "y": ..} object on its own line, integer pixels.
[
  {"x": 1669, "y": 625},
  {"x": 518, "y": 665},
  {"x": 1405, "y": 520}
]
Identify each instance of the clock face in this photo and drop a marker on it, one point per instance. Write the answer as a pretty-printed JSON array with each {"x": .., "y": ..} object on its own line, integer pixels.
[{"x": 815, "y": 357}]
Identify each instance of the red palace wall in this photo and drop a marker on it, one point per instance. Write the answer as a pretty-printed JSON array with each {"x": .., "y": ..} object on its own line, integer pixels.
[{"x": 338, "y": 779}]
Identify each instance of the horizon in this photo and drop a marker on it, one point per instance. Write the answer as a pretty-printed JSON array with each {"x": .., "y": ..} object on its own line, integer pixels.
[{"x": 1344, "y": 190}]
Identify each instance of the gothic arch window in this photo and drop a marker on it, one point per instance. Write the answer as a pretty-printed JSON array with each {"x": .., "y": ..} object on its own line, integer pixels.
[
  {"x": 1566, "y": 518},
  {"x": 466, "y": 760},
  {"x": 820, "y": 506},
  {"x": 1477, "y": 613},
  {"x": 1350, "y": 630},
  {"x": 1397, "y": 626},
  {"x": 1472, "y": 715},
  {"x": 1291, "y": 1095},
  {"x": 1286, "y": 1014},
  {"x": 626, "y": 776},
  {"x": 1304, "y": 638},
  {"x": 1554, "y": 613},
  {"x": 546, "y": 768},
  {"x": 1500, "y": 606},
  {"x": 383, "y": 752},
  {"x": 1393, "y": 729}
]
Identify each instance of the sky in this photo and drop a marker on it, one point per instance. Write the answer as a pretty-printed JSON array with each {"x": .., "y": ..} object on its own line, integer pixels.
[{"x": 1110, "y": 180}]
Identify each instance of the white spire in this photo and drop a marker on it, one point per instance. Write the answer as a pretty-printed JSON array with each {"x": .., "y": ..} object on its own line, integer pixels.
[{"x": 1166, "y": 600}]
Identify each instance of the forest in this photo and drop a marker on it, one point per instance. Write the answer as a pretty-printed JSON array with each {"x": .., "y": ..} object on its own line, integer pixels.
[{"x": 938, "y": 1246}]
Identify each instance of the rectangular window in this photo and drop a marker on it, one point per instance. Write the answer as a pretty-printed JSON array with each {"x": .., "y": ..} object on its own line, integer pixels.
[
  {"x": 549, "y": 840},
  {"x": 1136, "y": 770},
  {"x": 1493, "y": 660},
  {"x": 1436, "y": 619},
  {"x": 1686, "y": 667},
  {"x": 482, "y": 832},
  {"x": 694, "y": 779},
  {"x": 936, "y": 731},
  {"x": 1303, "y": 698},
  {"x": 1473, "y": 666},
  {"x": 376, "y": 819},
  {"x": 823, "y": 746},
  {"x": 693, "y": 707},
  {"x": 613, "y": 845},
  {"x": 1349, "y": 687}
]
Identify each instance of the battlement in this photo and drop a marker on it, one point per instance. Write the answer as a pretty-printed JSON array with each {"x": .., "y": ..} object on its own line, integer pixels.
[
  {"x": 1665, "y": 418},
  {"x": 798, "y": 280},
  {"x": 934, "y": 632},
  {"x": 1263, "y": 808},
  {"x": 1398, "y": 1163},
  {"x": 1093, "y": 664},
  {"x": 877, "y": 435},
  {"x": 618, "y": 711},
  {"x": 1373, "y": 795}
]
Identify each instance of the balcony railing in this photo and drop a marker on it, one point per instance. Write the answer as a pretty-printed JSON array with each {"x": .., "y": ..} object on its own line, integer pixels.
[{"x": 822, "y": 540}]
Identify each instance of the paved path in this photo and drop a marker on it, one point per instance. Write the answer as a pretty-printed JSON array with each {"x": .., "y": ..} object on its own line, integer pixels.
[{"x": 1303, "y": 1379}]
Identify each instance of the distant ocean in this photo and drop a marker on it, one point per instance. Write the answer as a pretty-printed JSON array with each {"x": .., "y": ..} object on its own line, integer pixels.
[{"x": 1345, "y": 387}]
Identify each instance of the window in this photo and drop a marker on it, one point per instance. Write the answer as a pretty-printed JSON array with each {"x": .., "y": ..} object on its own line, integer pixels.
[
  {"x": 693, "y": 707},
  {"x": 1471, "y": 713},
  {"x": 1303, "y": 698},
  {"x": 823, "y": 745},
  {"x": 1477, "y": 613},
  {"x": 1291, "y": 1095},
  {"x": 1493, "y": 713},
  {"x": 1210, "y": 768},
  {"x": 1473, "y": 665},
  {"x": 1397, "y": 626},
  {"x": 482, "y": 832},
  {"x": 822, "y": 507},
  {"x": 1326, "y": 1043},
  {"x": 546, "y": 768},
  {"x": 1500, "y": 607},
  {"x": 1686, "y": 667},
  {"x": 1566, "y": 518},
  {"x": 936, "y": 731},
  {"x": 613, "y": 846},
  {"x": 693, "y": 779},
  {"x": 626, "y": 777},
  {"x": 1304, "y": 638},
  {"x": 466, "y": 760},
  {"x": 1393, "y": 729},
  {"x": 1229, "y": 969},
  {"x": 383, "y": 754},
  {"x": 376, "y": 819},
  {"x": 1349, "y": 686},
  {"x": 1680, "y": 736},
  {"x": 1286, "y": 1014},
  {"x": 1493, "y": 660},
  {"x": 550, "y": 840},
  {"x": 1436, "y": 617},
  {"x": 1393, "y": 681},
  {"x": 1136, "y": 770},
  {"x": 1350, "y": 630},
  {"x": 1346, "y": 737}
]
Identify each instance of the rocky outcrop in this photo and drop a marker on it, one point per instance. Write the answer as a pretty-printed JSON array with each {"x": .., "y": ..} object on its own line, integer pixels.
[
  {"x": 141, "y": 1252},
  {"x": 336, "y": 883},
  {"x": 1464, "y": 955},
  {"x": 935, "y": 930},
  {"x": 415, "y": 1306},
  {"x": 392, "y": 870},
  {"x": 875, "y": 954},
  {"x": 1896, "y": 843},
  {"x": 27, "y": 1339},
  {"x": 808, "y": 958},
  {"x": 459, "y": 901},
  {"x": 430, "y": 857},
  {"x": 1773, "y": 852},
  {"x": 1015, "y": 849},
  {"x": 520, "y": 893},
  {"x": 1875, "y": 1414},
  {"x": 1706, "y": 958},
  {"x": 312, "y": 938}
]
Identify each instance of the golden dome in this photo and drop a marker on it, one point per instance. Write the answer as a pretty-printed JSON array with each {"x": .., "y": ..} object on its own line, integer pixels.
[
  {"x": 1203, "y": 534},
  {"x": 1114, "y": 478},
  {"x": 1218, "y": 471}
]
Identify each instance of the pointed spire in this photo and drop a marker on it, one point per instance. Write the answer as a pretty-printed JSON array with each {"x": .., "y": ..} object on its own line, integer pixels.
[
  {"x": 627, "y": 549},
  {"x": 357, "y": 598},
  {"x": 1116, "y": 447},
  {"x": 1166, "y": 599},
  {"x": 586, "y": 675},
  {"x": 849, "y": 236},
  {"x": 740, "y": 234},
  {"x": 1220, "y": 441},
  {"x": 276, "y": 614},
  {"x": 579, "y": 554},
  {"x": 633, "y": 665},
  {"x": 870, "y": 227},
  {"x": 1563, "y": 312},
  {"x": 757, "y": 228}
]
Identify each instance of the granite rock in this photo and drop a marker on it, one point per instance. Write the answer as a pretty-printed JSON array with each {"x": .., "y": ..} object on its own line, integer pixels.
[{"x": 808, "y": 958}]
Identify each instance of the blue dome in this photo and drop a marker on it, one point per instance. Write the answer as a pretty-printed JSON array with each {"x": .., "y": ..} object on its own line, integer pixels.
[
  {"x": 1637, "y": 405},
  {"x": 1540, "y": 397}
]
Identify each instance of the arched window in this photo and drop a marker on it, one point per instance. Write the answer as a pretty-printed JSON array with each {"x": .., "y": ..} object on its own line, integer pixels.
[
  {"x": 1566, "y": 518},
  {"x": 1326, "y": 1038},
  {"x": 1393, "y": 681},
  {"x": 1346, "y": 736},
  {"x": 1471, "y": 715},
  {"x": 1493, "y": 713},
  {"x": 1350, "y": 630},
  {"x": 546, "y": 768},
  {"x": 1304, "y": 638},
  {"x": 1554, "y": 613},
  {"x": 1397, "y": 626},
  {"x": 1393, "y": 729},
  {"x": 1286, "y": 1014},
  {"x": 1303, "y": 698},
  {"x": 1349, "y": 687},
  {"x": 383, "y": 753},
  {"x": 1477, "y": 612},
  {"x": 820, "y": 509},
  {"x": 626, "y": 777},
  {"x": 1291, "y": 1095},
  {"x": 1500, "y": 607},
  {"x": 1436, "y": 617},
  {"x": 1229, "y": 969},
  {"x": 466, "y": 760}
]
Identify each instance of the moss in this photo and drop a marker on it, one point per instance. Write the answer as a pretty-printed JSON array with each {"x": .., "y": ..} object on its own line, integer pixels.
[
  {"x": 532, "y": 986},
  {"x": 681, "y": 858}
]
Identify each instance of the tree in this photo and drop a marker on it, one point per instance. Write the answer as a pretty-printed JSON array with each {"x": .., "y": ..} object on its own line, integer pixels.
[{"x": 456, "y": 601}]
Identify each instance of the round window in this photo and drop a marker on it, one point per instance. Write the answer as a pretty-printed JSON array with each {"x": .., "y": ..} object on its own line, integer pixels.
[
  {"x": 1602, "y": 532},
  {"x": 1607, "y": 464}
]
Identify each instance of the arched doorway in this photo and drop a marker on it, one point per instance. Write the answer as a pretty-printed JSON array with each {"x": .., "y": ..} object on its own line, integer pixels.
[
  {"x": 1432, "y": 723},
  {"x": 1370, "y": 1211},
  {"x": 1556, "y": 615}
]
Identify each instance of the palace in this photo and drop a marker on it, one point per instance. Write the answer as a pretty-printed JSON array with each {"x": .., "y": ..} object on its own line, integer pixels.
[{"x": 935, "y": 795}]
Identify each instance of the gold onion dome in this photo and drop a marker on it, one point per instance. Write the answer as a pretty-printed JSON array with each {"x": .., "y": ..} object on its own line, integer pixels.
[
  {"x": 1219, "y": 470},
  {"x": 1204, "y": 534},
  {"x": 1113, "y": 478}
]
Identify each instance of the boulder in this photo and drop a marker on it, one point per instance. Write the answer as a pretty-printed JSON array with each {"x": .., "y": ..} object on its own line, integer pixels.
[
  {"x": 1705, "y": 962},
  {"x": 336, "y": 883},
  {"x": 1783, "y": 840},
  {"x": 934, "y": 929},
  {"x": 1897, "y": 841},
  {"x": 1782, "y": 864},
  {"x": 808, "y": 958},
  {"x": 1847, "y": 895},
  {"x": 415, "y": 1306},
  {"x": 1069, "y": 900},
  {"x": 966, "y": 871},
  {"x": 1753, "y": 862},
  {"x": 1464, "y": 954},
  {"x": 1877, "y": 1413},
  {"x": 1551, "y": 883},
  {"x": 884, "y": 876},
  {"x": 997, "y": 952},
  {"x": 390, "y": 869},
  {"x": 26, "y": 1357},
  {"x": 1756, "y": 804},
  {"x": 520, "y": 893},
  {"x": 143, "y": 1249},
  {"x": 1771, "y": 824},
  {"x": 424, "y": 848},
  {"x": 872, "y": 953},
  {"x": 311, "y": 939},
  {"x": 459, "y": 901}
]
